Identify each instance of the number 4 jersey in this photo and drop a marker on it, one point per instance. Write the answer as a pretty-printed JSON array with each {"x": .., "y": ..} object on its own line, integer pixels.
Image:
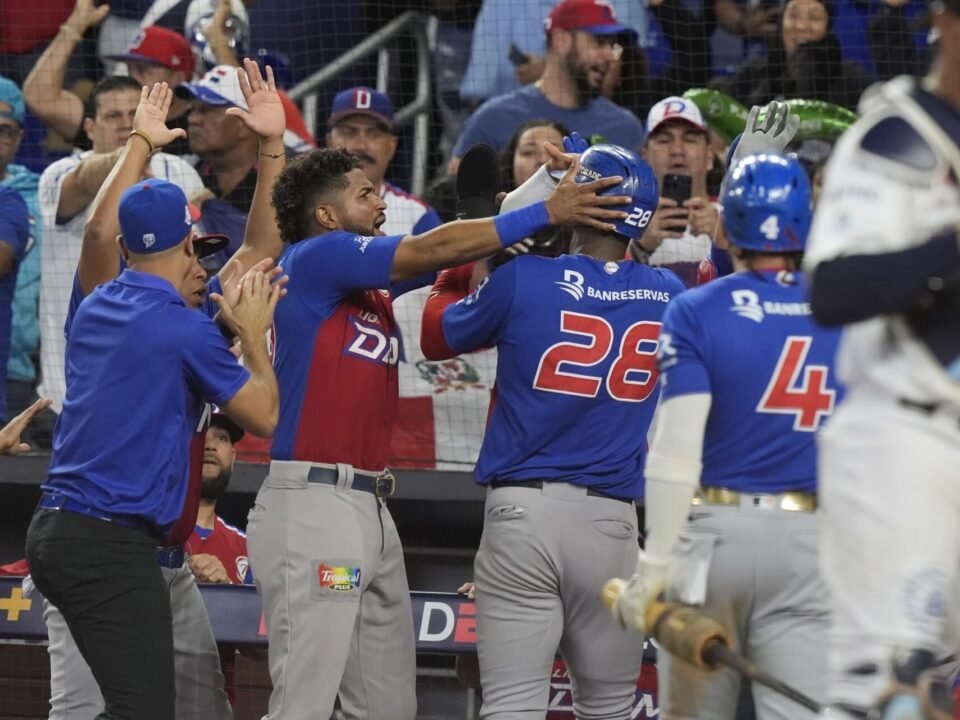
[
  {"x": 750, "y": 341},
  {"x": 577, "y": 340}
]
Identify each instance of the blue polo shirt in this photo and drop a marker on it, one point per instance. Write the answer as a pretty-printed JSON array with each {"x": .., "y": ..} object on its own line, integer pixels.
[
  {"x": 15, "y": 232},
  {"x": 139, "y": 365}
]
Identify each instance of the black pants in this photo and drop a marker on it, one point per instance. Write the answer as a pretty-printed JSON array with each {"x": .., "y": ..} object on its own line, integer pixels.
[{"x": 105, "y": 580}]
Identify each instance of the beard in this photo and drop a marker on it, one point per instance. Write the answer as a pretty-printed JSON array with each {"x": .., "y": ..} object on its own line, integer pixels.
[
  {"x": 213, "y": 488},
  {"x": 581, "y": 77}
]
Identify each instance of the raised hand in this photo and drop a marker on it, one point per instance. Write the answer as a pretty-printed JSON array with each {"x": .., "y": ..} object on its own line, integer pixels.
[
  {"x": 265, "y": 116},
  {"x": 574, "y": 203},
  {"x": 86, "y": 14},
  {"x": 10, "y": 434},
  {"x": 151, "y": 115}
]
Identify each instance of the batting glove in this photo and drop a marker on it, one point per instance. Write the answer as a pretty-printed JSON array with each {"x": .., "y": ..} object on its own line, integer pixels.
[
  {"x": 573, "y": 143},
  {"x": 629, "y": 608},
  {"x": 776, "y": 131}
]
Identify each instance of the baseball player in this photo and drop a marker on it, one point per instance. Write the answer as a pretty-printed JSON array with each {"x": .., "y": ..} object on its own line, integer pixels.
[
  {"x": 748, "y": 380},
  {"x": 884, "y": 260},
  {"x": 577, "y": 338},
  {"x": 324, "y": 549}
]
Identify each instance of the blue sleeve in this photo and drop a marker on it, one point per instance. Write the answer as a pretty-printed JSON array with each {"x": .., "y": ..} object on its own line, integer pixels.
[
  {"x": 338, "y": 263},
  {"x": 14, "y": 222},
  {"x": 405, "y": 286},
  {"x": 210, "y": 367},
  {"x": 209, "y": 307},
  {"x": 721, "y": 261},
  {"x": 683, "y": 370},
  {"x": 76, "y": 297},
  {"x": 478, "y": 129},
  {"x": 479, "y": 319}
]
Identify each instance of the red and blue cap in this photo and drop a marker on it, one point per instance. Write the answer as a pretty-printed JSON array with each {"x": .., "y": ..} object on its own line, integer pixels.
[
  {"x": 361, "y": 101},
  {"x": 595, "y": 17},
  {"x": 160, "y": 46},
  {"x": 155, "y": 216}
]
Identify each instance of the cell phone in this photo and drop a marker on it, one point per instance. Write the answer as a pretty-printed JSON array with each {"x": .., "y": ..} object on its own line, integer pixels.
[
  {"x": 517, "y": 56},
  {"x": 677, "y": 187}
]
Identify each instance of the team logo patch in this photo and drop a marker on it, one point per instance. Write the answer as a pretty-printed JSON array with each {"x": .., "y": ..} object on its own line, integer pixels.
[
  {"x": 362, "y": 241},
  {"x": 338, "y": 578},
  {"x": 572, "y": 284},
  {"x": 149, "y": 240},
  {"x": 611, "y": 267},
  {"x": 453, "y": 374},
  {"x": 243, "y": 564}
]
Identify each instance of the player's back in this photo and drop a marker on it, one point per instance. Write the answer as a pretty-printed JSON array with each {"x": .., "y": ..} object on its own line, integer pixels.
[
  {"x": 576, "y": 377},
  {"x": 770, "y": 371}
]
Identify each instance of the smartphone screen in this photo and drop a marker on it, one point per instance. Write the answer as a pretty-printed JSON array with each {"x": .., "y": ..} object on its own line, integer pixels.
[{"x": 677, "y": 187}]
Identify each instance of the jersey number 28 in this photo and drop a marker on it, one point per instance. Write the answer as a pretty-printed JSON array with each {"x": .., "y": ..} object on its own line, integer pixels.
[
  {"x": 798, "y": 389},
  {"x": 632, "y": 376}
]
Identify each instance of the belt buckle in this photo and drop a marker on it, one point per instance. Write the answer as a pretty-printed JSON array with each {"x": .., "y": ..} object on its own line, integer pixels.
[{"x": 385, "y": 484}]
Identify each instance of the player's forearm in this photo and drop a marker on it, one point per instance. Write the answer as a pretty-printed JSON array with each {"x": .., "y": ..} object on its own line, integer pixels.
[
  {"x": 264, "y": 382},
  {"x": 98, "y": 254},
  {"x": 538, "y": 186},
  {"x": 43, "y": 90},
  {"x": 261, "y": 238},
  {"x": 857, "y": 287},
  {"x": 433, "y": 341},
  {"x": 464, "y": 241},
  {"x": 673, "y": 470},
  {"x": 80, "y": 187}
]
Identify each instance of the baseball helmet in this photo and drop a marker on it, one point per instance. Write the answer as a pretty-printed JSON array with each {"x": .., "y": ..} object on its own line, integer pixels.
[
  {"x": 639, "y": 182},
  {"x": 766, "y": 204}
]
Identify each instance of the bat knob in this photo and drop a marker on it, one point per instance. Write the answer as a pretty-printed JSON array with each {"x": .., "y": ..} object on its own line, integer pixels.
[{"x": 612, "y": 590}]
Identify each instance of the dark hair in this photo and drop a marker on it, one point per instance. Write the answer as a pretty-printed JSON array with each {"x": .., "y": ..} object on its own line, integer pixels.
[
  {"x": 506, "y": 157},
  {"x": 302, "y": 181},
  {"x": 109, "y": 85}
]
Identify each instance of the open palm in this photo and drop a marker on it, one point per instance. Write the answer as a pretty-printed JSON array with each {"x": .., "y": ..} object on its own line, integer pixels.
[
  {"x": 151, "y": 116},
  {"x": 265, "y": 116}
]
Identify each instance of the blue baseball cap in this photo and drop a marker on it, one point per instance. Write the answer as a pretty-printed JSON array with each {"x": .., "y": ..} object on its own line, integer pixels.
[
  {"x": 11, "y": 95},
  {"x": 220, "y": 87},
  {"x": 361, "y": 101},
  {"x": 155, "y": 216}
]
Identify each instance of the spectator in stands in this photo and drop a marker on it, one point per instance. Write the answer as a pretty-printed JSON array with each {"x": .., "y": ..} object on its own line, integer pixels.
[
  {"x": 892, "y": 42},
  {"x": 67, "y": 188},
  {"x": 21, "y": 371},
  {"x": 156, "y": 55},
  {"x": 503, "y": 24},
  {"x": 804, "y": 60},
  {"x": 216, "y": 552},
  {"x": 524, "y": 154},
  {"x": 680, "y": 234},
  {"x": 14, "y": 244},
  {"x": 580, "y": 50}
]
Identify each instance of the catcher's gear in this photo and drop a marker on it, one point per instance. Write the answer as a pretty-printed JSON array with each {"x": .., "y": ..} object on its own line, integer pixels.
[
  {"x": 639, "y": 182},
  {"x": 766, "y": 204}
]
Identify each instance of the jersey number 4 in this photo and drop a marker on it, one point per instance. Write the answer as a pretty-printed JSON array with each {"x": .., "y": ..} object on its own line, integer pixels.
[
  {"x": 798, "y": 389},
  {"x": 632, "y": 376}
]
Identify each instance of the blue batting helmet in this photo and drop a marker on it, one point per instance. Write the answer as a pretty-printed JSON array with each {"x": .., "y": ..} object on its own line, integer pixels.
[
  {"x": 639, "y": 182},
  {"x": 766, "y": 204}
]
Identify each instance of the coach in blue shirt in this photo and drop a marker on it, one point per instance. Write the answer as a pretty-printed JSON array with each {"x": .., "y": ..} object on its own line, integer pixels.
[{"x": 127, "y": 454}]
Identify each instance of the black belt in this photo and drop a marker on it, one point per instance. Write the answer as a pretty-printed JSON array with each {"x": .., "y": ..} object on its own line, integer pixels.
[
  {"x": 538, "y": 485},
  {"x": 59, "y": 501},
  {"x": 171, "y": 557},
  {"x": 381, "y": 485}
]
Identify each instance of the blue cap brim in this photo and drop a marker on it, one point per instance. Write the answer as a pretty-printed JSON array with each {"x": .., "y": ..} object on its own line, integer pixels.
[
  {"x": 203, "y": 94},
  {"x": 612, "y": 29}
]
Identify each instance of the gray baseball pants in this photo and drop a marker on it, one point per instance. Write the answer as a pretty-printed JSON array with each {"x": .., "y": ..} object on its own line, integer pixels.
[
  {"x": 543, "y": 559},
  {"x": 74, "y": 694},
  {"x": 329, "y": 567},
  {"x": 754, "y": 570}
]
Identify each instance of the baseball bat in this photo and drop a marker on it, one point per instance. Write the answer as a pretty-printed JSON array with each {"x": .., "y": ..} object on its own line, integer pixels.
[{"x": 702, "y": 642}]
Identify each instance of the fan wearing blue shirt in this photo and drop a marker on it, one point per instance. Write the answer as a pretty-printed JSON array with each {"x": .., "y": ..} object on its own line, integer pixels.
[
  {"x": 581, "y": 35},
  {"x": 14, "y": 244},
  {"x": 127, "y": 458},
  {"x": 563, "y": 455}
]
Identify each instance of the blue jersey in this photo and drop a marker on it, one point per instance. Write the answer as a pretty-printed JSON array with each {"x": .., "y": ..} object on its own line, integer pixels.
[
  {"x": 336, "y": 350},
  {"x": 576, "y": 372},
  {"x": 14, "y": 232},
  {"x": 750, "y": 341},
  {"x": 139, "y": 365}
]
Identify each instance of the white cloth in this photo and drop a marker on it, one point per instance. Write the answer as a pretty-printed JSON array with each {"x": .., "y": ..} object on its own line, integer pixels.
[{"x": 60, "y": 253}]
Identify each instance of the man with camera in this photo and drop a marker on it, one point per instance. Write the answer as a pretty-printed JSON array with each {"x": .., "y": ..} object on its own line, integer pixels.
[{"x": 687, "y": 220}]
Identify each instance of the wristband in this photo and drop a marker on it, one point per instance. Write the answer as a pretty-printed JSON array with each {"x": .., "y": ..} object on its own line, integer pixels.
[
  {"x": 146, "y": 138},
  {"x": 520, "y": 224}
]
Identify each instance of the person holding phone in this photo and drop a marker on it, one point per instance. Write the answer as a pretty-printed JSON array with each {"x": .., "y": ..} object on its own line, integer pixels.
[{"x": 677, "y": 147}]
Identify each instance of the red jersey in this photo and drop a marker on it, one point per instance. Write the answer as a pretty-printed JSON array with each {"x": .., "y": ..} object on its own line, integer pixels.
[{"x": 228, "y": 544}]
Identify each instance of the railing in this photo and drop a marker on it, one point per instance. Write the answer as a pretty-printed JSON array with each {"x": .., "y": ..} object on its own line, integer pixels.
[{"x": 417, "y": 111}]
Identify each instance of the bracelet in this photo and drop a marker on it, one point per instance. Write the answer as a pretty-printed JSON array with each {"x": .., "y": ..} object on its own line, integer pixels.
[
  {"x": 517, "y": 225},
  {"x": 273, "y": 157},
  {"x": 146, "y": 138},
  {"x": 72, "y": 32}
]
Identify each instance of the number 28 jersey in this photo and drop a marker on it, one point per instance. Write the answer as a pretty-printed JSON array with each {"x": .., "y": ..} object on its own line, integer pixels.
[
  {"x": 750, "y": 341},
  {"x": 576, "y": 374}
]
